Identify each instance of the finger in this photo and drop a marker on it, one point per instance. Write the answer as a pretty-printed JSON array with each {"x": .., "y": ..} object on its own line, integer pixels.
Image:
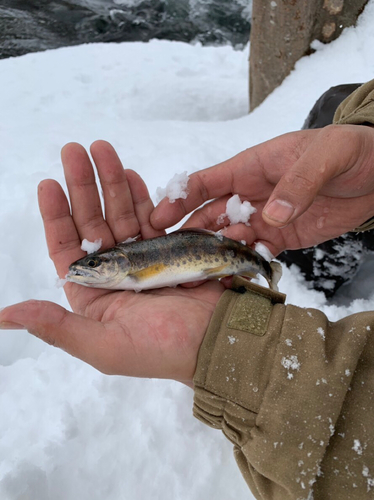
[
  {"x": 84, "y": 196},
  {"x": 206, "y": 218},
  {"x": 143, "y": 205},
  {"x": 324, "y": 159},
  {"x": 204, "y": 185},
  {"x": 210, "y": 216},
  {"x": 119, "y": 208},
  {"x": 240, "y": 232},
  {"x": 63, "y": 241},
  {"x": 81, "y": 337},
  {"x": 62, "y": 237}
]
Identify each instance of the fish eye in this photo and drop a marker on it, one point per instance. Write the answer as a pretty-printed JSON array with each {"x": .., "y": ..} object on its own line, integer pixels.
[{"x": 93, "y": 262}]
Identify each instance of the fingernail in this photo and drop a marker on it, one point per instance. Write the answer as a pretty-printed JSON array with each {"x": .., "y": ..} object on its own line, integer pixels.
[
  {"x": 279, "y": 211},
  {"x": 8, "y": 325}
]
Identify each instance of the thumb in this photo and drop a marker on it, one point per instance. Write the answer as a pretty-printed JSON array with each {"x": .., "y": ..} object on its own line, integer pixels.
[
  {"x": 332, "y": 152},
  {"x": 56, "y": 326},
  {"x": 292, "y": 196},
  {"x": 297, "y": 189}
]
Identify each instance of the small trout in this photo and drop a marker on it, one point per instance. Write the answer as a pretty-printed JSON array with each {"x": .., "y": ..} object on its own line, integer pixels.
[{"x": 180, "y": 257}]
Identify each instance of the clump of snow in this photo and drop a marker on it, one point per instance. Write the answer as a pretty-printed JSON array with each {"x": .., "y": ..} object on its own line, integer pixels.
[
  {"x": 290, "y": 363},
  {"x": 357, "y": 446},
  {"x": 232, "y": 339},
  {"x": 321, "y": 331},
  {"x": 175, "y": 189},
  {"x": 264, "y": 251},
  {"x": 91, "y": 246},
  {"x": 237, "y": 211},
  {"x": 131, "y": 240},
  {"x": 61, "y": 282},
  {"x": 322, "y": 380},
  {"x": 370, "y": 480}
]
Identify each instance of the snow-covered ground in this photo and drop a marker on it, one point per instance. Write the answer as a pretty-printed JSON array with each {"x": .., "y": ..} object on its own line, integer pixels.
[{"x": 68, "y": 431}]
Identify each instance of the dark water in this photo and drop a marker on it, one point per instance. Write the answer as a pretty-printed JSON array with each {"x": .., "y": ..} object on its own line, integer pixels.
[{"x": 33, "y": 25}]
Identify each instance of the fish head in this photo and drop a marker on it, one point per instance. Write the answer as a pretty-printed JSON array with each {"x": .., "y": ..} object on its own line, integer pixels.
[{"x": 100, "y": 269}]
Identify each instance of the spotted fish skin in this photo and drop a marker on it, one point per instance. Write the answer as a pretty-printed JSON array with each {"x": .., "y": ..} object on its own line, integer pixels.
[{"x": 180, "y": 257}]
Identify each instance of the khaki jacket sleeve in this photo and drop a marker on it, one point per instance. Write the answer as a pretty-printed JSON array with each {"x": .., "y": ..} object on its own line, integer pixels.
[
  {"x": 357, "y": 108},
  {"x": 293, "y": 392}
]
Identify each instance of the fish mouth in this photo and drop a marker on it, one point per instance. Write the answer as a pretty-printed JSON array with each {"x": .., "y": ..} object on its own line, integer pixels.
[
  {"x": 83, "y": 275},
  {"x": 82, "y": 272},
  {"x": 86, "y": 276}
]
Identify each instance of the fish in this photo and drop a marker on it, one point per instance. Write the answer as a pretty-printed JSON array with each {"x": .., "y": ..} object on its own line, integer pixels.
[{"x": 179, "y": 257}]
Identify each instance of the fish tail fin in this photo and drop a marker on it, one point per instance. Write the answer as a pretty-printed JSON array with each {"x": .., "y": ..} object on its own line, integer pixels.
[{"x": 276, "y": 274}]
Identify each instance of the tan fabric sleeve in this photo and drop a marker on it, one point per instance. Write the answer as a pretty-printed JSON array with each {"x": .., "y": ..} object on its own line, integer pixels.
[
  {"x": 358, "y": 109},
  {"x": 293, "y": 392}
]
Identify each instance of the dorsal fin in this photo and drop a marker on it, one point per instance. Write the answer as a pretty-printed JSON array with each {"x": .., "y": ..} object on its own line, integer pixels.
[{"x": 199, "y": 230}]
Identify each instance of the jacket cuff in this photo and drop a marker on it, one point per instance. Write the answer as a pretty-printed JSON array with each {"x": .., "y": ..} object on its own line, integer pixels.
[
  {"x": 236, "y": 356},
  {"x": 276, "y": 379}
]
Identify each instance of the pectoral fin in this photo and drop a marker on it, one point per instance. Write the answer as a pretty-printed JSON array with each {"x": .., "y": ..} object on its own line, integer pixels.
[
  {"x": 217, "y": 272},
  {"x": 249, "y": 274}
]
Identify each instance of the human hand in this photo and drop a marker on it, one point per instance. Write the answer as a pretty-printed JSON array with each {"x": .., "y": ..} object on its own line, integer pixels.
[
  {"x": 323, "y": 178},
  {"x": 156, "y": 333}
]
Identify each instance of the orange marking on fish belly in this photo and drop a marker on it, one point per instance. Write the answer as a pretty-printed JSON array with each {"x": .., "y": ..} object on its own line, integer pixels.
[{"x": 148, "y": 272}]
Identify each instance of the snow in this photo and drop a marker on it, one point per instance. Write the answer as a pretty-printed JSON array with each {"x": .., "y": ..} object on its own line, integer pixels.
[
  {"x": 321, "y": 331},
  {"x": 232, "y": 339},
  {"x": 175, "y": 189},
  {"x": 263, "y": 251},
  {"x": 61, "y": 282},
  {"x": 357, "y": 446},
  {"x": 291, "y": 362},
  {"x": 68, "y": 431},
  {"x": 91, "y": 246},
  {"x": 130, "y": 239},
  {"x": 237, "y": 211}
]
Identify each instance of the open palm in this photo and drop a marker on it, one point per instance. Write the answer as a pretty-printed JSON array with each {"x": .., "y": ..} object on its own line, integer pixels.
[
  {"x": 155, "y": 333},
  {"x": 326, "y": 175}
]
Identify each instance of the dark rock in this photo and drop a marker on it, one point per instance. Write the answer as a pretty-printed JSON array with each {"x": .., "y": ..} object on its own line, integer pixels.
[{"x": 33, "y": 25}]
